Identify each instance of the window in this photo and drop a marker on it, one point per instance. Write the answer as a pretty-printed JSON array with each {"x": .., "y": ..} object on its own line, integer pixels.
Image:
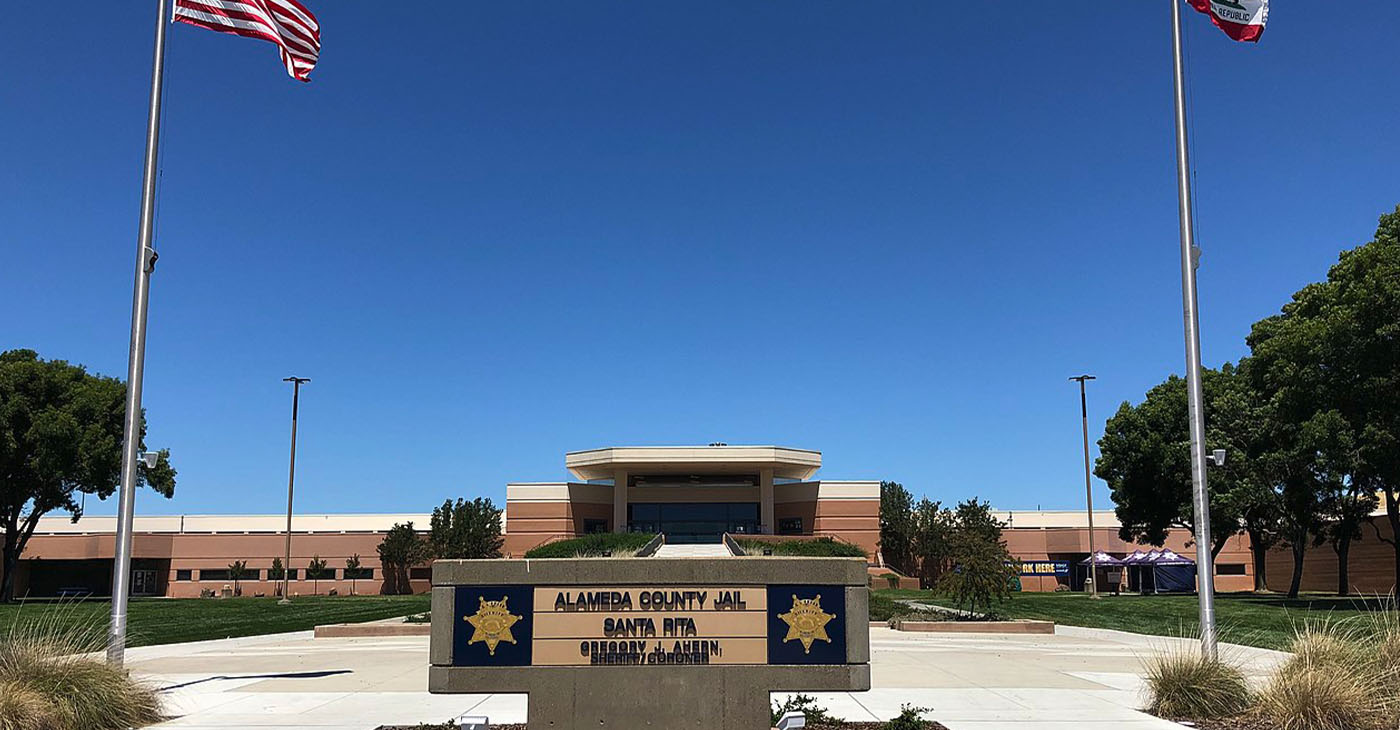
[
  {"x": 359, "y": 574},
  {"x": 1230, "y": 569},
  {"x": 214, "y": 574},
  {"x": 252, "y": 574},
  {"x": 424, "y": 573},
  {"x": 594, "y": 526},
  {"x": 790, "y": 526},
  {"x": 184, "y": 574}
]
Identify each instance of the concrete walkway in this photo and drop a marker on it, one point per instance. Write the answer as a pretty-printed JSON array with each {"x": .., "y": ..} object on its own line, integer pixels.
[{"x": 1080, "y": 679}]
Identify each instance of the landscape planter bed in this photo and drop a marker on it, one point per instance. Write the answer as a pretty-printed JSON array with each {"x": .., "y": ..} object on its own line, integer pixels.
[
  {"x": 977, "y": 627},
  {"x": 347, "y": 631},
  {"x": 521, "y": 726}
]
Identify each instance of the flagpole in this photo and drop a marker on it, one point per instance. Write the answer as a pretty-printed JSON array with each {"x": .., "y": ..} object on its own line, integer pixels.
[
  {"x": 131, "y": 441},
  {"x": 1191, "y": 314}
]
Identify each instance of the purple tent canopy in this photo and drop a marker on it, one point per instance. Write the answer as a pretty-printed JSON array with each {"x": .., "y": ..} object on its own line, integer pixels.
[
  {"x": 1103, "y": 559},
  {"x": 1168, "y": 557},
  {"x": 1136, "y": 558}
]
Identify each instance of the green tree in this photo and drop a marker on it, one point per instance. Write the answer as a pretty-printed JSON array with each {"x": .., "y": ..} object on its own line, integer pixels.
[
  {"x": 933, "y": 526},
  {"x": 897, "y": 527},
  {"x": 352, "y": 570},
  {"x": 1302, "y": 454},
  {"x": 316, "y": 570},
  {"x": 400, "y": 550},
  {"x": 1363, "y": 329},
  {"x": 466, "y": 529},
  {"x": 237, "y": 571},
  {"x": 1145, "y": 457},
  {"x": 983, "y": 569},
  {"x": 276, "y": 573},
  {"x": 60, "y": 437}
]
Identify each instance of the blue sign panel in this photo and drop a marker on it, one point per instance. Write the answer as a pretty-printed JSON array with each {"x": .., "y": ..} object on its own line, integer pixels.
[
  {"x": 493, "y": 626},
  {"x": 1045, "y": 568},
  {"x": 806, "y": 624}
]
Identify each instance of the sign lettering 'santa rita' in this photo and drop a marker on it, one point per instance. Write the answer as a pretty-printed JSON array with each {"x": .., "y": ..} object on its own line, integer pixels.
[{"x": 648, "y": 626}]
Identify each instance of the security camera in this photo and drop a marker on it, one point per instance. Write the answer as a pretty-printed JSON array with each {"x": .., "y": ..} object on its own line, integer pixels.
[
  {"x": 150, "y": 457},
  {"x": 1218, "y": 457}
]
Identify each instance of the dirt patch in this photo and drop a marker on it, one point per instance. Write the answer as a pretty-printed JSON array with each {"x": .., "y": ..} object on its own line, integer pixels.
[
  {"x": 842, "y": 726},
  {"x": 1239, "y": 722}
]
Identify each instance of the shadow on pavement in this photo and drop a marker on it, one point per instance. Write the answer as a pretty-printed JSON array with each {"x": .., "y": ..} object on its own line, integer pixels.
[{"x": 277, "y": 675}]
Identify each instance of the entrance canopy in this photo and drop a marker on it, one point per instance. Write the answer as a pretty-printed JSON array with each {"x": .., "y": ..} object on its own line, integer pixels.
[{"x": 784, "y": 462}]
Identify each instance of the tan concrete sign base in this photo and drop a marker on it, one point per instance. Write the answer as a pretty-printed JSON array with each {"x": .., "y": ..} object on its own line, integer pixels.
[{"x": 663, "y": 643}]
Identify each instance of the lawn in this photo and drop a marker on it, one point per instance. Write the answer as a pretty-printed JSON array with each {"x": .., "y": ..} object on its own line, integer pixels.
[
  {"x": 1254, "y": 620},
  {"x": 171, "y": 620}
]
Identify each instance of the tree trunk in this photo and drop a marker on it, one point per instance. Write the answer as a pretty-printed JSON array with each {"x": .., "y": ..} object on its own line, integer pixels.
[
  {"x": 9, "y": 567},
  {"x": 1299, "y": 547},
  {"x": 1392, "y": 515},
  {"x": 1343, "y": 548},
  {"x": 1261, "y": 562}
]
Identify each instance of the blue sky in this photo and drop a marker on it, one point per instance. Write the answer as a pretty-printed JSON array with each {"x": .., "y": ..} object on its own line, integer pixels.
[{"x": 495, "y": 232}]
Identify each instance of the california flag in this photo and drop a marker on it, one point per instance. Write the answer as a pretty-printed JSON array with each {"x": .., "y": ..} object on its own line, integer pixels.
[{"x": 1242, "y": 20}]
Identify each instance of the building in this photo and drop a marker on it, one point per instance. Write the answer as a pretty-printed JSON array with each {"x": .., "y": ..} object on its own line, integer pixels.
[
  {"x": 182, "y": 555},
  {"x": 1052, "y": 544},
  {"x": 689, "y": 493},
  {"x": 693, "y": 494}
]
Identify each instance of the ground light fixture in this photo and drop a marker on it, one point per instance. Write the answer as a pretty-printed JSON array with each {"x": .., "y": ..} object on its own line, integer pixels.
[{"x": 792, "y": 721}]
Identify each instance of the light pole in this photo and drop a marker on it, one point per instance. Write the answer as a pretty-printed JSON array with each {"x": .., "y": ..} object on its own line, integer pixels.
[
  {"x": 1088, "y": 486},
  {"x": 291, "y": 479}
]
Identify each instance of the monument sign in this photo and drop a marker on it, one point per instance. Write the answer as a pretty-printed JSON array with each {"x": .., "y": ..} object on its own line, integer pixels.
[{"x": 650, "y": 642}]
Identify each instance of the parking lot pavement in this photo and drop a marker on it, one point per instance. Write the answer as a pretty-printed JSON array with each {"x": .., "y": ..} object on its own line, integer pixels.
[{"x": 1078, "y": 679}]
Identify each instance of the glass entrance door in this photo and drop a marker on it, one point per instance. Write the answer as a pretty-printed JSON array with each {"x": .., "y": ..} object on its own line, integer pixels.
[
  {"x": 693, "y": 522},
  {"x": 143, "y": 582}
]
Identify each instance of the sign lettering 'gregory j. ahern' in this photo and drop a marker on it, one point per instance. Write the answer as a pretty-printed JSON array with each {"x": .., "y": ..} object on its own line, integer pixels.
[{"x": 519, "y": 625}]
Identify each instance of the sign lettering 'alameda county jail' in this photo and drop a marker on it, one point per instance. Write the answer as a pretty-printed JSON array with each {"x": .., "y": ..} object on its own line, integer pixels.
[
  {"x": 648, "y": 625},
  {"x": 663, "y": 643}
]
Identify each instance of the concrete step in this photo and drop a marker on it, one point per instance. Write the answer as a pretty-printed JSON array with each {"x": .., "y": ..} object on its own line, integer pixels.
[{"x": 717, "y": 550}]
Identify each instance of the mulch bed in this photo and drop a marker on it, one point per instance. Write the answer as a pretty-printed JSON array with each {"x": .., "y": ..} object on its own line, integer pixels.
[
  {"x": 843, "y": 726},
  {"x": 1240, "y": 722}
]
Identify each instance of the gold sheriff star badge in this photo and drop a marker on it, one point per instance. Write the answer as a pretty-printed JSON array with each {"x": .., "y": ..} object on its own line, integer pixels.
[
  {"x": 491, "y": 623},
  {"x": 807, "y": 622}
]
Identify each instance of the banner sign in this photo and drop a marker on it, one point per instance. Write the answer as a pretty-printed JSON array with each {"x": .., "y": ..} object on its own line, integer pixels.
[
  {"x": 1045, "y": 568},
  {"x": 648, "y": 625}
]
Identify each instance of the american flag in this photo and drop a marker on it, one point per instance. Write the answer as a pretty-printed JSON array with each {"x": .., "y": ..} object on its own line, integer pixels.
[{"x": 285, "y": 22}]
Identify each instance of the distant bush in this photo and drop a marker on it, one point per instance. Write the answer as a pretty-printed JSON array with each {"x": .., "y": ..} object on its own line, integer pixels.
[
  {"x": 822, "y": 547},
  {"x": 620, "y": 544}
]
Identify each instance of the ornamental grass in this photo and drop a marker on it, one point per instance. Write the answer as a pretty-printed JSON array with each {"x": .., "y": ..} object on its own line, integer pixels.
[
  {"x": 1182, "y": 684},
  {"x": 53, "y": 678}
]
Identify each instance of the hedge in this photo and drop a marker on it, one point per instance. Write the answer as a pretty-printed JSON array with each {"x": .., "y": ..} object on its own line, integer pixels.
[
  {"x": 592, "y": 545},
  {"x": 822, "y": 547}
]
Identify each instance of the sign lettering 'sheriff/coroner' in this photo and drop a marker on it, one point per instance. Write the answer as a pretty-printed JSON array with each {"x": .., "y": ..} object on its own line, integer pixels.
[{"x": 518, "y": 625}]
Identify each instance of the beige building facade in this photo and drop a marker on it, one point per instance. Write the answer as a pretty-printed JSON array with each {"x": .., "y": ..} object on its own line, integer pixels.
[
  {"x": 689, "y": 493},
  {"x": 693, "y": 494}
]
